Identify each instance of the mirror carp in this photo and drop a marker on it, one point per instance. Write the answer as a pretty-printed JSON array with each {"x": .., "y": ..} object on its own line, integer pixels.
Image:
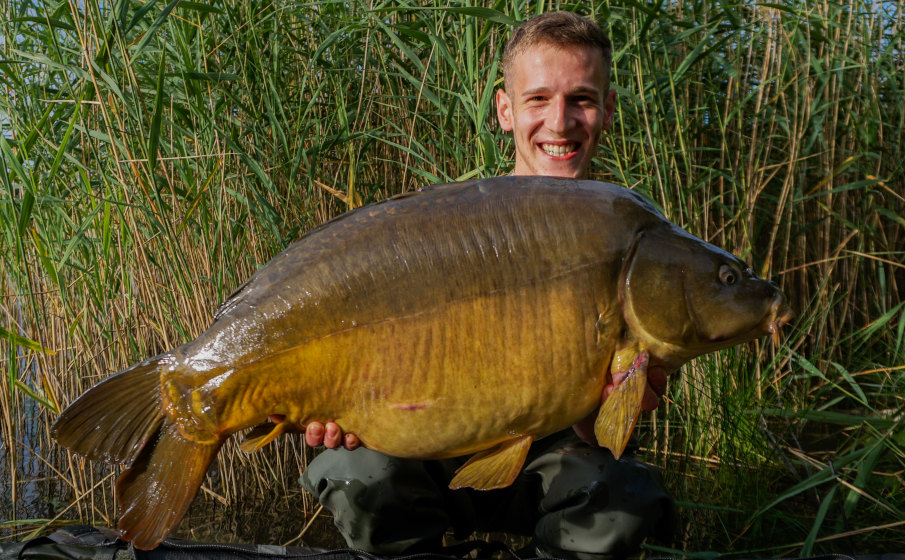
[{"x": 468, "y": 318}]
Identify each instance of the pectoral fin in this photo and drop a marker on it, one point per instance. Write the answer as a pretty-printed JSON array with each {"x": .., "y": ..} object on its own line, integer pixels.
[
  {"x": 494, "y": 468},
  {"x": 262, "y": 434},
  {"x": 619, "y": 412}
]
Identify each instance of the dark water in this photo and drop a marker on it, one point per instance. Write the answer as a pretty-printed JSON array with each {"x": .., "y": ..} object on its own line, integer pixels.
[
  {"x": 29, "y": 487},
  {"x": 269, "y": 520}
]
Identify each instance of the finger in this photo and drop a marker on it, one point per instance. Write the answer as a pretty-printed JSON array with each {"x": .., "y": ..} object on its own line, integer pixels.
[
  {"x": 314, "y": 434},
  {"x": 650, "y": 401},
  {"x": 607, "y": 391},
  {"x": 350, "y": 442},
  {"x": 333, "y": 436}
]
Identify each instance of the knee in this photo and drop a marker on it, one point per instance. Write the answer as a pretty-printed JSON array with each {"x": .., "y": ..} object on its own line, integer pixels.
[
  {"x": 380, "y": 504},
  {"x": 597, "y": 508}
]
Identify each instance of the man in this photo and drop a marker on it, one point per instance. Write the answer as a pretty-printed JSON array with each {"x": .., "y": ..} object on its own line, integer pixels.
[
  {"x": 573, "y": 497},
  {"x": 559, "y": 101}
]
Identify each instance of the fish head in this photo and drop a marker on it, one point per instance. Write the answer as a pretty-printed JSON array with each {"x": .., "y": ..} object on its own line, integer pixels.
[{"x": 682, "y": 297}]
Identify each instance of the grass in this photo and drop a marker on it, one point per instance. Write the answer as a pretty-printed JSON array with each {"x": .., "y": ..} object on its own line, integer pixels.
[{"x": 155, "y": 154}]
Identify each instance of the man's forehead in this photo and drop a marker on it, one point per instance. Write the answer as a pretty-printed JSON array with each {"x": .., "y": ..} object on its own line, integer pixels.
[
  {"x": 558, "y": 45},
  {"x": 594, "y": 54},
  {"x": 591, "y": 76}
]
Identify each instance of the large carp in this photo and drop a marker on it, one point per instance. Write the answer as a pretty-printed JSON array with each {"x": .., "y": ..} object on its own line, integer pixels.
[{"x": 464, "y": 318}]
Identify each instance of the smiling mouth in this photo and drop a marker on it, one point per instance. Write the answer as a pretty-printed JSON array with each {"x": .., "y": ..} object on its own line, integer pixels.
[{"x": 558, "y": 150}]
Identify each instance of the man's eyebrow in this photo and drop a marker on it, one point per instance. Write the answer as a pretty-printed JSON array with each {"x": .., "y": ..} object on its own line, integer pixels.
[
  {"x": 585, "y": 91},
  {"x": 580, "y": 90},
  {"x": 535, "y": 91}
]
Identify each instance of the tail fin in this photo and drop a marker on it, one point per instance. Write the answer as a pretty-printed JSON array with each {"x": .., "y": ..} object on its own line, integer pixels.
[
  {"x": 113, "y": 420},
  {"x": 156, "y": 491},
  {"x": 120, "y": 420}
]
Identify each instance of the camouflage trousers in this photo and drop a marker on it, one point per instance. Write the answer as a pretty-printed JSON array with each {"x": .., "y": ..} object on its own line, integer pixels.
[{"x": 576, "y": 501}]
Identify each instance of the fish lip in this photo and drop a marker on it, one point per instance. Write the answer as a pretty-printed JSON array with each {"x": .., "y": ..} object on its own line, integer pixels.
[
  {"x": 776, "y": 321},
  {"x": 778, "y": 314}
]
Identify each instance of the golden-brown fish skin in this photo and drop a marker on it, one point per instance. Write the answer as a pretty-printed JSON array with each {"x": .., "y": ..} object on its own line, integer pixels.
[
  {"x": 434, "y": 324},
  {"x": 415, "y": 401}
]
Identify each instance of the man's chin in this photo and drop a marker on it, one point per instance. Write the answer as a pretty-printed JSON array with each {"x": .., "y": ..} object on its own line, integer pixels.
[{"x": 566, "y": 170}]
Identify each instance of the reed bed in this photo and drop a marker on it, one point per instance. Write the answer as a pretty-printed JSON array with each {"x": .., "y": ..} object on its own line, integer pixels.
[{"x": 155, "y": 154}]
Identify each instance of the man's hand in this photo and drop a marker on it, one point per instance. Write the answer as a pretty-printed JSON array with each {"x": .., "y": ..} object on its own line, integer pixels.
[{"x": 331, "y": 436}]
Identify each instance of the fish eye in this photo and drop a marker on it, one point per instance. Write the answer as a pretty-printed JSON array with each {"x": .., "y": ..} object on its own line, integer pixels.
[{"x": 727, "y": 275}]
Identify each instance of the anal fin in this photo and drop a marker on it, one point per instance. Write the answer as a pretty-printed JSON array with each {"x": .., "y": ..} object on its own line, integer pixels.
[
  {"x": 493, "y": 468},
  {"x": 619, "y": 412}
]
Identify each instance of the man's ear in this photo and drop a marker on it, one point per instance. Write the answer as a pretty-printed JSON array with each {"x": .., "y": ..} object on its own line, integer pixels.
[
  {"x": 609, "y": 107},
  {"x": 504, "y": 109}
]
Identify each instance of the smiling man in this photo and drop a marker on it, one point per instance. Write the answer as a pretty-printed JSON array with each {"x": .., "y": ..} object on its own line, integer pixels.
[
  {"x": 556, "y": 100},
  {"x": 573, "y": 498}
]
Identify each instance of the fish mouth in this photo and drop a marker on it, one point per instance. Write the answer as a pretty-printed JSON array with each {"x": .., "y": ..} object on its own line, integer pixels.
[
  {"x": 777, "y": 315},
  {"x": 780, "y": 314}
]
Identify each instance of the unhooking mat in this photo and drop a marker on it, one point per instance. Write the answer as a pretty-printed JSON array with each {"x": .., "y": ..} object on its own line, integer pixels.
[{"x": 82, "y": 542}]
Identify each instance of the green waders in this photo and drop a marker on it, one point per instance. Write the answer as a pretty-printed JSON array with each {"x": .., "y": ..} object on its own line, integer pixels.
[{"x": 575, "y": 500}]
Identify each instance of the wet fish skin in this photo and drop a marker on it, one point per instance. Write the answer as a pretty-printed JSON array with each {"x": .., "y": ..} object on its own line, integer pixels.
[
  {"x": 446, "y": 277},
  {"x": 467, "y": 318}
]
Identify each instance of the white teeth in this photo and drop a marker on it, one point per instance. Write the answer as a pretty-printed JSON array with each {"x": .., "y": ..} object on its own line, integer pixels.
[{"x": 558, "y": 149}]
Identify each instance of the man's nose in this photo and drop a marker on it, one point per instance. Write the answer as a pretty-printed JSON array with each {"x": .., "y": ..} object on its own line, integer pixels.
[{"x": 558, "y": 118}]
